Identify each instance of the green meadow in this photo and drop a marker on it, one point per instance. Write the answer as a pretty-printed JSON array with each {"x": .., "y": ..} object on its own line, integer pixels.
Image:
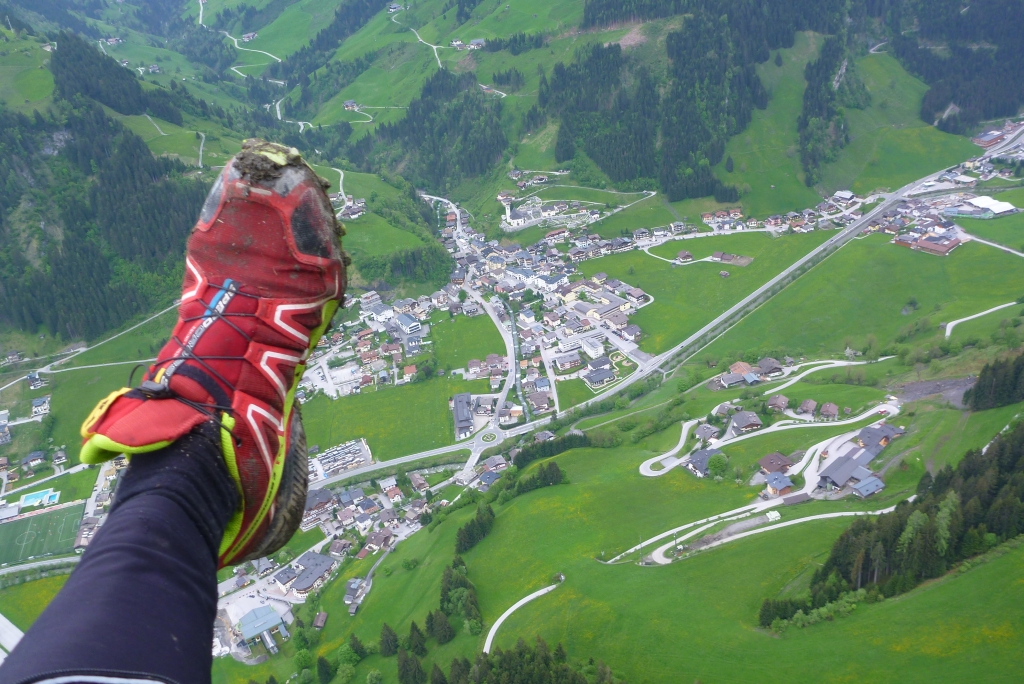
[
  {"x": 863, "y": 290},
  {"x": 371, "y": 235},
  {"x": 1006, "y": 230},
  {"x": 458, "y": 340},
  {"x": 624, "y": 613},
  {"x": 396, "y": 421},
  {"x": 25, "y": 81},
  {"x": 572, "y": 392},
  {"x": 290, "y": 31},
  {"x": 688, "y": 297},
  {"x": 766, "y": 154},
  {"x": 22, "y": 604},
  {"x": 647, "y": 213},
  {"x": 890, "y": 145}
]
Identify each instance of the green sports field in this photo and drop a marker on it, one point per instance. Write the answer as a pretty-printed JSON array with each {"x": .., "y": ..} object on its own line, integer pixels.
[{"x": 47, "y": 534}]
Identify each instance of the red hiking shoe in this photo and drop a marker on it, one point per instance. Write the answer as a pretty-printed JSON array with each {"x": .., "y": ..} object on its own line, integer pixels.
[{"x": 264, "y": 274}]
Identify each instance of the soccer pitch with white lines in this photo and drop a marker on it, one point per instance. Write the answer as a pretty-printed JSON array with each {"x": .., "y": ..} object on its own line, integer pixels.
[{"x": 40, "y": 536}]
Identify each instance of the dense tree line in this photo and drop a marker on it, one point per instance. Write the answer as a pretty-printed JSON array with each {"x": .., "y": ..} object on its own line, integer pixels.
[
  {"x": 822, "y": 122},
  {"x": 473, "y": 532},
  {"x": 451, "y": 132},
  {"x": 711, "y": 95},
  {"x": 80, "y": 69},
  {"x": 458, "y": 595},
  {"x": 429, "y": 263},
  {"x": 524, "y": 664},
  {"x": 122, "y": 215},
  {"x": 513, "y": 78},
  {"x": 350, "y": 16},
  {"x": 249, "y": 18},
  {"x": 981, "y": 69},
  {"x": 517, "y": 43},
  {"x": 553, "y": 447},
  {"x": 603, "y": 12},
  {"x": 615, "y": 127},
  {"x": 205, "y": 46},
  {"x": 57, "y": 11},
  {"x": 465, "y": 10},
  {"x": 143, "y": 209},
  {"x": 1000, "y": 383},
  {"x": 958, "y": 514},
  {"x": 547, "y": 475}
]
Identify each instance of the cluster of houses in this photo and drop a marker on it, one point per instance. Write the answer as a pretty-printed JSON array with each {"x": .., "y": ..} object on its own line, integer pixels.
[
  {"x": 355, "y": 509},
  {"x": 841, "y": 209},
  {"x": 373, "y": 351},
  {"x": 743, "y": 373},
  {"x": 848, "y": 465},
  {"x": 483, "y": 476},
  {"x": 352, "y": 208},
  {"x": 543, "y": 271},
  {"x": 728, "y": 219},
  {"x": 808, "y": 408},
  {"x": 474, "y": 44},
  {"x": 928, "y": 225},
  {"x": 534, "y": 211}
]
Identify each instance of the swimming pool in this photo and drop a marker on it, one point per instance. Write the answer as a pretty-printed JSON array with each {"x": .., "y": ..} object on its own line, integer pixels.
[{"x": 46, "y": 497}]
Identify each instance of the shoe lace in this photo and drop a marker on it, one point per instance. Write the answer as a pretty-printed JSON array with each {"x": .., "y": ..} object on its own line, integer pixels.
[{"x": 161, "y": 389}]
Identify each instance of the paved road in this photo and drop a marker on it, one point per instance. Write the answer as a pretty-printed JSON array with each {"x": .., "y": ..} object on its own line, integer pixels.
[
  {"x": 667, "y": 460},
  {"x": 953, "y": 324},
  {"x": 394, "y": 18},
  {"x": 238, "y": 47},
  {"x": 840, "y": 239},
  {"x": 983, "y": 241},
  {"x": 516, "y": 606},
  {"x": 659, "y": 555},
  {"x": 10, "y": 635},
  {"x": 75, "y": 469},
  {"x": 21, "y": 567},
  {"x": 830, "y": 364},
  {"x": 889, "y": 410}
]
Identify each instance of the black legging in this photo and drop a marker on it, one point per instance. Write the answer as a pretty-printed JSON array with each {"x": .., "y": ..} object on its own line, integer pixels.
[{"x": 141, "y": 604}]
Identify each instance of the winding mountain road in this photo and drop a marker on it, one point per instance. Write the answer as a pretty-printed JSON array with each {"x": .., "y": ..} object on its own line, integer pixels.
[
  {"x": 953, "y": 324},
  {"x": 262, "y": 52},
  {"x": 394, "y": 18},
  {"x": 667, "y": 460}
]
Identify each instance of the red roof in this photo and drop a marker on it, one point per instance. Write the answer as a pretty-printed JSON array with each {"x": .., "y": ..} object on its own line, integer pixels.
[{"x": 362, "y": 553}]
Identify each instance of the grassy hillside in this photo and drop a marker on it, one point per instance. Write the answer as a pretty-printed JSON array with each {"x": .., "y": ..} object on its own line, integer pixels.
[
  {"x": 22, "y": 604},
  {"x": 687, "y": 297},
  {"x": 766, "y": 155},
  {"x": 889, "y": 144},
  {"x": 863, "y": 290},
  {"x": 622, "y": 611}
]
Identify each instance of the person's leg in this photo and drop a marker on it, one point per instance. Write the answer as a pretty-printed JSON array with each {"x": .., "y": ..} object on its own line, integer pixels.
[{"x": 141, "y": 604}]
